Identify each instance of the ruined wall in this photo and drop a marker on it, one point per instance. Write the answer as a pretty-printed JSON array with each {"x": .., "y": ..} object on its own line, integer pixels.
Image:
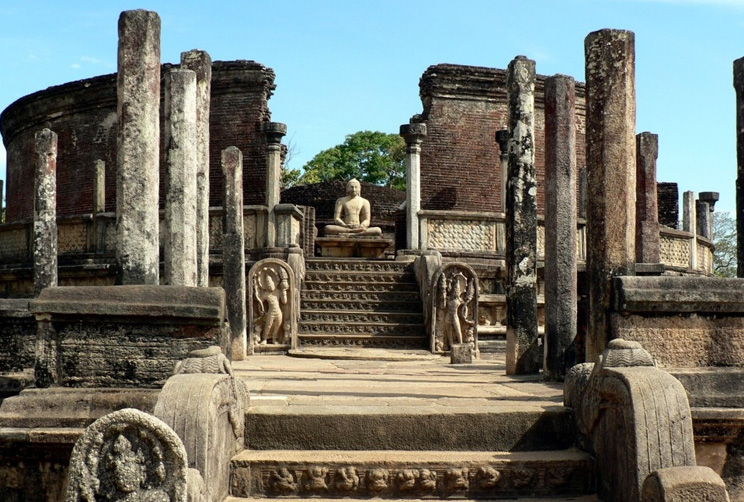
[
  {"x": 668, "y": 201},
  {"x": 464, "y": 106},
  {"x": 83, "y": 114}
]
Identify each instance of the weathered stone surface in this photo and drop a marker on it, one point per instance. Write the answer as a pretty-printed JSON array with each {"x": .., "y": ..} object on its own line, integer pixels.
[
  {"x": 648, "y": 247},
  {"x": 454, "y": 314},
  {"x": 273, "y": 307},
  {"x": 684, "y": 484},
  {"x": 560, "y": 226},
  {"x": 18, "y": 336},
  {"x": 45, "y": 212},
  {"x": 610, "y": 147},
  {"x": 122, "y": 335},
  {"x": 462, "y": 353},
  {"x": 739, "y": 88},
  {"x": 678, "y": 294},
  {"x": 274, "y": 132},
  {"x": 205, "y": 405},
  {"x": 233, "y": 252},
  {"x": 702, "y": 212},
  {"x": 179, "y": 243},
  {"x": 201, "y": 63},
  {"x": 502, "y": 138},
  {"x": 414, "y": 134},
  {"x": 138, "y": 143},
  {"x": 522, "y": 354},
  {"x": 128, "y": 455},
  {"x": 634, "y": 417}
]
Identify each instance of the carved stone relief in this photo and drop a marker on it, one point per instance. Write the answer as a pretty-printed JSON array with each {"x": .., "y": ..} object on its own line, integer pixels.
[
  {"x": 272, "y": 303},
  {"x": 454, "y": 318}
]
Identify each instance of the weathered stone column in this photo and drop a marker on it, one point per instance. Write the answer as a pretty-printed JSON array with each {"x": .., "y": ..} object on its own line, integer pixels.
[
  {"x": 99, "y": 187},
  {"x": 739, "y": 88},
  {"x": 689, "y": 224},
  {"x": 274, "y": 132},
  {"x": 45, "y": 212},
  {"x": 201, "y": 63},
  {"x": 414, "y": 134},
  {"x": 702, "y": 213},
  {"x": 502, "y": 138},
  {"x": 709, "y": 198},
  {"x": 610, "y": 157},
  {"x": 648, "y": 246},
  {"x": 179, "y": 246},
  {"x": 2, "y": 197},
  {"x": 583, "y": 191},
  {"x": 233, "y": 252},
  {"x": 138, "y": 143},
  {"x": 522, "y": 354},
  {"x": 561, "y": 295}
]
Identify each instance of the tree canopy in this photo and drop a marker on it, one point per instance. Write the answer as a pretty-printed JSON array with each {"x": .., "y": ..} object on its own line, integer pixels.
[
  {"x": 724, "y": 240},
  {"x": 371, "y": 156}
]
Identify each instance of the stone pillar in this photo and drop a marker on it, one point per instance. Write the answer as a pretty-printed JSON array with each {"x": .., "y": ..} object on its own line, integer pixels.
[
  {"x": 45, "y": 212},
  {"x": 710, "y": 198},
  {"x": 648, "y": 245},
  {"x": 414, "y": 135},
  {"x": 583, "y": 191},
  {"x": 233, "y": 252},
  {"x": 561, "y": 295},
  {"x": 201, "y": 63},
  {"x": 689, "y": 224},
  {"x": 739, "y": 87},
  {"x": 702, "y": 213},
  {"x": 99, "y": 187},
  {"x": 2, "y": 200},
  {"x": 502, "y": 138},
  {"x": 179, "y": 246},
  {"x": 138, "y": 143},
  {"x": 610, "y": 157},
  {"x": 274, "y": 132},
  {"x": 522, "y": 353}
]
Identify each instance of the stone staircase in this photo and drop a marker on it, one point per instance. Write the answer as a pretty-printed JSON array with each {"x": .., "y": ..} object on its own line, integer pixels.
[{"x": 361, "y": 303}]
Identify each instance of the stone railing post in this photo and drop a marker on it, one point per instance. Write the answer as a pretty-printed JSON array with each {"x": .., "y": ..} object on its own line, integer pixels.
[
  {"x": 610, "y": 157},
  {"x": 138, "y": 148},
  {"x": 689, "y": 224},
  {"x": 201, "y": 63},
  {"x": 179, "y": 246},
  {"x": 502, "y": 138},
  {"x": 414, "y": 134},
  {"x": 45, "y": 212},
  {"x": 710, "y": 198},
  {"x": 648, "y": 245},
  {"x": 233, "y": 252},
  {"x": 702, "y": 214},
  {"x": 522, "y": 354},
  {"x": 561, "y": 294},
  {"x": 274, "y": 132}
]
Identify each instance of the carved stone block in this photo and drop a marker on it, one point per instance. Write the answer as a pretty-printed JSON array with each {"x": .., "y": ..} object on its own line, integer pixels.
[
  {"x": 454, "y": 307},
  {"x": 273, "y": 301}
]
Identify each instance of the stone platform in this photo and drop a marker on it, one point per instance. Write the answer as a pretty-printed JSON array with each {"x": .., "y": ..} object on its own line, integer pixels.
[{"x": 347, "y": 247}]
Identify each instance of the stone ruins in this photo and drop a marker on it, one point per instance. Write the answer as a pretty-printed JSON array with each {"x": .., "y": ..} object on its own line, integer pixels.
[{"x": 536, "y": 326}]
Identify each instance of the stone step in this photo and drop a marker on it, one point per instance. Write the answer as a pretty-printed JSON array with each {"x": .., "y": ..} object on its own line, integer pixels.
[
  {"x": 520, "y": 426},
  {"x": 358, "y": 286},
  {"x": 360, "y": 328},
  {"x": 364, "y": 316},
  {"x": 316, "y": 264},
  {"x": 394, "y": 305},
  {"x": 583, "y": 498},
  {"x": 354, "y": 276},
  {"x": 359, "y": 296},
  {"x": 376, "y": 340},
  {"x": 406, "y": 474}
]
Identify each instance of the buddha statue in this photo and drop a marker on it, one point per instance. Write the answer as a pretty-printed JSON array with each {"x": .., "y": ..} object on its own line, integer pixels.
[{"x": 352, "y": 214}]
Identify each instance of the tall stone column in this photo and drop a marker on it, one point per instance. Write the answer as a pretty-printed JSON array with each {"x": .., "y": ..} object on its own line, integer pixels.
[
  {"x": 702, "y": 212},
  {"x": 689, "y": 224},
  {"x": 709, "y": 198},
  {"x": 561, "y": 294},
  {"x": 522, "y": 353},
  {"x": 413, "y": 134},
  {"x": 45, "y": 211},
  {"x": 648, "y": 245},
  {"x": 274, "y": 132},
  {"x": 739, "y": 87},
  {"x": 99, "y": 187},
  {"x": 138, "y": 143},
  {"x": 179, "y": 246},
  {"x": 502, "y": 138},
  {"x": 610, "y": 157},
  {"x": 233, "y": 252},
  {"x": 201, "y": 63}
]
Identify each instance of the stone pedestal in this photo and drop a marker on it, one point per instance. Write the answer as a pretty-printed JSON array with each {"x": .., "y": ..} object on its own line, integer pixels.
[
  {"x": 461, "y": 353},
  {"x": 347, "y": 247}
]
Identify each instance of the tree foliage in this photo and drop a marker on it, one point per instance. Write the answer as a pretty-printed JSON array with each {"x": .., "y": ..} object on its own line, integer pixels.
[
  {"x": 371, "y": 156},
  {"x": 724, "y": 239}
]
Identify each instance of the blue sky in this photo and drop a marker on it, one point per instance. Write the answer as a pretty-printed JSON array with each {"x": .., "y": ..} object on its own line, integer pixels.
[{"x": 349, "y": 65}]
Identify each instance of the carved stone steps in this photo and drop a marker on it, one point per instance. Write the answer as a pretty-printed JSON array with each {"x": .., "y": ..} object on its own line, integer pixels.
[
  {"x": 351, "y": 316},
  {"x": 385, "y": 277},
  {"x": 395, "y": 341},
  {"x": 503, "y": 426},
  {"x": 368, "y": 286},
  {"x": 584, "y": 498},
  {"x": 369, "y": 297},
  {"x": 403, "y": 304},
  {"x": 356, "y": 265},
  {"x": 405, "y": 474},
  {"x": 361, "y": 327}
]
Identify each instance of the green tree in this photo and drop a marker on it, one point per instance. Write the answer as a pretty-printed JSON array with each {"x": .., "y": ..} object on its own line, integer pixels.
[
  {"x": 371, "y": 156},
  {"x": 724, "y": 239}
]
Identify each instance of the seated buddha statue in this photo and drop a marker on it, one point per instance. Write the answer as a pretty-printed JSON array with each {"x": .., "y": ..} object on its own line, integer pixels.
[{"x": 352, "y": 214}]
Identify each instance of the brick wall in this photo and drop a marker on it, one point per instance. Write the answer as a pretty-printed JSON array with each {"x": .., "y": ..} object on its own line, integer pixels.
[
  {"x": 464, "y": 106},
  {"x": 83, "y": 114},
  {"x": 668, "y": 201}
]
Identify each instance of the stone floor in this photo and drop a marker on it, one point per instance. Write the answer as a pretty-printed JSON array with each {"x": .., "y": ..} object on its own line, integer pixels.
[{"x": 375, "y": 377}]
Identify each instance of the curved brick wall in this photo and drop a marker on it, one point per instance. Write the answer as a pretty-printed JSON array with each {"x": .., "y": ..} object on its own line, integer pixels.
[
  {"x": 464, "y": 106},
  {"x": 83, "y": 114}
]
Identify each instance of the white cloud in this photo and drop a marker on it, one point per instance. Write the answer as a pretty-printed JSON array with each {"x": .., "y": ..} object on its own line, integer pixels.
[{"x": 75, "y": 66}]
